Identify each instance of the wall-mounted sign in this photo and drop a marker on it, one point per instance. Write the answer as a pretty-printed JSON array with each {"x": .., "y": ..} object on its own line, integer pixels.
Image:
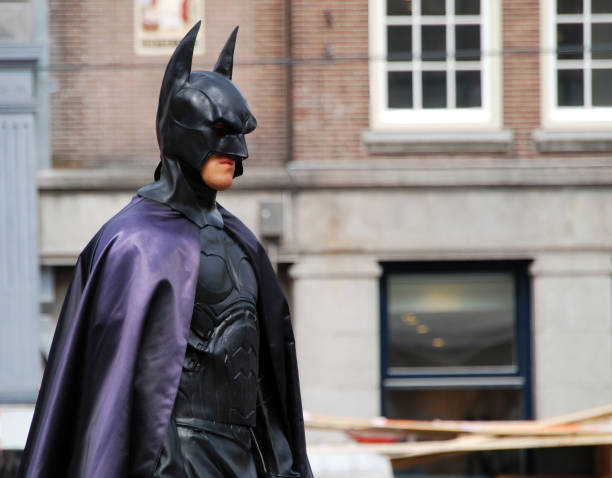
[{"x": 161, "y": 24}]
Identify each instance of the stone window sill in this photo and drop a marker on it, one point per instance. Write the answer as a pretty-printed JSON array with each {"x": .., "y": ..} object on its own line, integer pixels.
[
  {"x": 550, "y": 141},
  {"x": 401, "y": 142}
]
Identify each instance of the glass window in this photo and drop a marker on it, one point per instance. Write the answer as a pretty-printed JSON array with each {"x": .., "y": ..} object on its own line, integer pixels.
[
  {"x": 433, "y": 7},
  {"x": 467, "y": 7},
  {"x": 570, "y": 88},
  {"x": 451, "y": 320},
  {"x": 583, "y": 60},
  {"x": 468, "y": 89},
  {"x": 456, "y": 346},
  {"x": 601, "y": 6},
  {"x": 434, "y": 89},
  {"x": 433, "y": 41},
  {"x": 601, "y": 41},
  {"x": 400, "y": 89},
  {"x": 399, "y": 7},
  {"x": 569, "y": 6},
  {"x": 419, "y": 35},
  {"x": 602, "y": 87},
  {"x": 569, "y": 41},
  {"x": 399, "y": 42}
]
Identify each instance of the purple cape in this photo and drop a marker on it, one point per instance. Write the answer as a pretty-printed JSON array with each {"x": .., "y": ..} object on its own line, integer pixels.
[{"x": 115, "y": 364}]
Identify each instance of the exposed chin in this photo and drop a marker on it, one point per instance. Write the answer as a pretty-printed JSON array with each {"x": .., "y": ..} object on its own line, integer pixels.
[{"x": 222, "y": 185}]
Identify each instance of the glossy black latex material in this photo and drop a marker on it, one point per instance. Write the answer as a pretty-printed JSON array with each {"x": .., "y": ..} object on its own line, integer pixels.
[
  {"x": 181, "y": 187},
  {"x": 202, "y": 112},
  {"x": 219, "y": 451},
  {"x": 219, "y": 378},
  {"x": 215, "y": 407}
]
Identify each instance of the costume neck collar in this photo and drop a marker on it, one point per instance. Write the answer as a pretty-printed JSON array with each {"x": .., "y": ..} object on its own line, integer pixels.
[{"x": 181, "y": 188}]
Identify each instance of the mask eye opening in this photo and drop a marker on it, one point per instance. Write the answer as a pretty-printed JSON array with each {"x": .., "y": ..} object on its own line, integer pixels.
[{"x": 221, "y": 130}]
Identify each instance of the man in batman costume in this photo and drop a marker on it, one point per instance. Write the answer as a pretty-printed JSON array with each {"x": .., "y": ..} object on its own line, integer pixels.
[{"x": 174, "y": 354}]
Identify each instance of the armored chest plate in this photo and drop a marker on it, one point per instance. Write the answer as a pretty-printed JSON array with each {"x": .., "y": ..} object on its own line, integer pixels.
[{"x": 219, "y": 379}]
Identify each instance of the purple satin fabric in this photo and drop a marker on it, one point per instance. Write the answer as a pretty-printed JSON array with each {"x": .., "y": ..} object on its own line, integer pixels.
[{"x": 109, "y": 386}]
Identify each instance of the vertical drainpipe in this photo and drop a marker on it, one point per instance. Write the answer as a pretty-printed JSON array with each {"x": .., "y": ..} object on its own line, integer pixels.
[{"x": 289, "y": 78}]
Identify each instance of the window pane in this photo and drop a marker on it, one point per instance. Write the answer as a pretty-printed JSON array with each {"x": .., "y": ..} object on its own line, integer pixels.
[
  {"x": 433, "y": 7},
  {"x": 569, "y": 41},
  {"x": 400, "y": 89},
  {"x": 569, "y": 6},
  {"x": 399, "y": 42},
  {"x": 467, "y": 7},
  {"x": 451, "y": 320},
  {"x": 467, "y": 41},
  {"x": 570, "y": 88},
  {"x": 399, "y": 7},
  {"x": 468, "y": 89},
  {"x": 433, "y": 41},
  {"x": 601, "y": 6},
  {"x": 434, "y": 89},
  {"x": 602, "y": 41},
  {"x": 602, "y": 87}
]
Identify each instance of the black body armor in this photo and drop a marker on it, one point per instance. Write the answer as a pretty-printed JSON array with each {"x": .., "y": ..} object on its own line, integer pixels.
[
  {"x": 219, "y": 379},
  {"x": 211, "y": 429}
]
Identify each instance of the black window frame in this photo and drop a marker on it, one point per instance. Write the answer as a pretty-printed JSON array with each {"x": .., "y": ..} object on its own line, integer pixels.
[{"x": 519, "y": 379}]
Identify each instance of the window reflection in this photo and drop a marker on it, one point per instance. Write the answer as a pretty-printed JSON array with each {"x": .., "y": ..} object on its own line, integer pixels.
[{"x": 451, "y": 320}]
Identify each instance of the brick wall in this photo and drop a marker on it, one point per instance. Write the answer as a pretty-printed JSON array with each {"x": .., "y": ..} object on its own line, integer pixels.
[
  {"x": 521, "y": 70},
  {"x": 330, "y": 97},
  {"x": 104, "y": 107}
]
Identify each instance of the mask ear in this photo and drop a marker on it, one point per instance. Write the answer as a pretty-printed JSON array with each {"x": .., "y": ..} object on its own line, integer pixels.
[
  {"x": 178, "y": 69},
  {"x": 225, "y": 62}
]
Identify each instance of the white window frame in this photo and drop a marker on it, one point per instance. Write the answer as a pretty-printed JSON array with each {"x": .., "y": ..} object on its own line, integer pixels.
[
  {"x": 487, "y": 117},
  {"x": 570, "y": 117}
]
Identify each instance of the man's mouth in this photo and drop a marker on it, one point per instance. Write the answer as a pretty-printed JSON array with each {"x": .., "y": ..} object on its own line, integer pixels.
[{"x": 229, "y": 162}]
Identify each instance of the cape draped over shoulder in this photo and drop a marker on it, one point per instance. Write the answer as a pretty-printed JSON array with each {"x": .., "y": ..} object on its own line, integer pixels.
[{"x": 115, "y": 363}]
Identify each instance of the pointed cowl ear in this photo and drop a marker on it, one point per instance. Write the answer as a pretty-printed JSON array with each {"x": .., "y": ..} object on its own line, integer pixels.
[
  {"x": 177, "y": 73},
  {"x": 225, "y": 62}
]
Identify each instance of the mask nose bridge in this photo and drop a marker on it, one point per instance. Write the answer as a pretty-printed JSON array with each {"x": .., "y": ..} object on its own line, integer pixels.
[{"x": 234, "y": 144}]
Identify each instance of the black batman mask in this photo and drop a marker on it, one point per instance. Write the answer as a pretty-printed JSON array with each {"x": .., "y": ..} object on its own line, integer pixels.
[
  {"x": 202, "y": 112},
  {"x": 199, "y": 113}
]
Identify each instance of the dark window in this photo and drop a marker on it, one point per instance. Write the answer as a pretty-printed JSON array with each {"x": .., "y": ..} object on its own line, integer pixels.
[
  {"x": 433, "y": 42},
  {"x": 437, "y": 81},
  {"x": 570, "y": 88},
  {"x": 399, "y": 7},
  {"x": 467, "y": 42},
  {"x": 456, "y": 345},
  {"x": 400, "y": 89},
  {"x": 602, "y": 87},
  {"x": 601, "y": 6},
  {"x": 468, "y": 89},
  {"x": 601, "y": 34},
  {"x": 399, "y": 42},
  {"x": 467, "y": 7},
  {"x": 433, "y": 7},
  {"x": 569, "y": 6},
  {"x": 434, "y": 89},
  {"x": 569, "y": 41}
]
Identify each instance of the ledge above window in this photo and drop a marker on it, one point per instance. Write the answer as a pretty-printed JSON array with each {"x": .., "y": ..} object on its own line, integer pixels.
[
  {"x": 401, "y": 142},
  {"x": 549, "y": 141}
]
